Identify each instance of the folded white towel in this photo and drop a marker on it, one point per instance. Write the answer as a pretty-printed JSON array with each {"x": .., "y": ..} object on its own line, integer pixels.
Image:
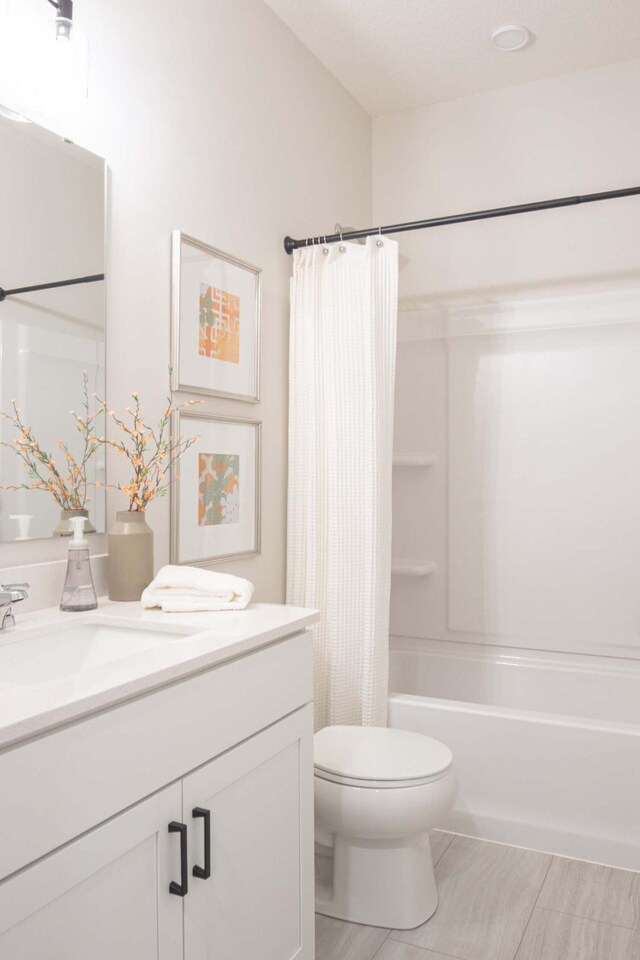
[{"x": 187, "y": 589}]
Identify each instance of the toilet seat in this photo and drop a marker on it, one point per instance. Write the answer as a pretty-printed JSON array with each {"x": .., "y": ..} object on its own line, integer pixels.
[
  {"x": 377, "y": 784},
  {"x": 379, "y": 757}
]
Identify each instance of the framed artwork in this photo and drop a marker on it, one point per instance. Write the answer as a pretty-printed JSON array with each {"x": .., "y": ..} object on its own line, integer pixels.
[
  {"x": 215, "y": 306},
  {"x": 215, "y": 496}
]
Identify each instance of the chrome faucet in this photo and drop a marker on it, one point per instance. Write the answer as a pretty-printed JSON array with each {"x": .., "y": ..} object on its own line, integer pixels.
[{"x": 10, "y": 593}]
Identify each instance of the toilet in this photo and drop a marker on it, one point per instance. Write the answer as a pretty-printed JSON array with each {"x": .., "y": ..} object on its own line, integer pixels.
[{"x": 378, "y": 793}]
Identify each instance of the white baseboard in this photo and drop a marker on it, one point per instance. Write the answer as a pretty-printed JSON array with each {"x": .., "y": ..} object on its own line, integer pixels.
[{"x": 543, "y": 839}]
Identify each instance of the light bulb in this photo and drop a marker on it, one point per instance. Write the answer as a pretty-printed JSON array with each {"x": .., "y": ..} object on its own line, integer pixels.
[
  {"x": 44, "y": 67},
  {"x": 60, "y": 66}
]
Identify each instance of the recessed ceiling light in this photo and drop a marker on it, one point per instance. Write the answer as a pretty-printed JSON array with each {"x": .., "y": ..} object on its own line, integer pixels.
[{"x": 510, "y": 37}]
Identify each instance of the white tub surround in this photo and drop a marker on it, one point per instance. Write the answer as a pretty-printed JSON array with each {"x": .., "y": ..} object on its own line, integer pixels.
[
  {"x": 152, "y": 792},
  {"x": 342, "y": 375},
  {"x": 518, "y": 357},
  {"x": 547, "y": 746}
]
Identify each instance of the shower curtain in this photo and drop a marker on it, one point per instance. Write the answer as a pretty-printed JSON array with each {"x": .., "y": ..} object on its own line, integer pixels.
[{"x": 342, "y": 373}]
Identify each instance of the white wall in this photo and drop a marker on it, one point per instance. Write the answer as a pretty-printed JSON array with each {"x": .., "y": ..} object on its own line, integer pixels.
[
  {"x": 518, "y": 365},
  {"x": 214, "y": 119}
]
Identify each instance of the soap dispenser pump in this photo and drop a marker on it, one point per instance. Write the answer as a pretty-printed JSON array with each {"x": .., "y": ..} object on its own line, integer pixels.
[{"x": 79, "y": 592}]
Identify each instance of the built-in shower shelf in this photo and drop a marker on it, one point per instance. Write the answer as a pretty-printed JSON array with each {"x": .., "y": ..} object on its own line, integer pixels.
[
  {"x": 415, "y": 460},
  {"x": 408, "y": 568}
]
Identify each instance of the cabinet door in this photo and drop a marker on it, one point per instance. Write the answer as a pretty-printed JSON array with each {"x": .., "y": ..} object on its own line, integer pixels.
[
  {"x": 257, "y": 903},
  {"x": 102, "y": 897}
]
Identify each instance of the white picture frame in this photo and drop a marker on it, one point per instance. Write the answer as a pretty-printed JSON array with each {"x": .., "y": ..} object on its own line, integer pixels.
[
  {"x": 215, "y": 490},
  {"x": 216, "y": 319}
]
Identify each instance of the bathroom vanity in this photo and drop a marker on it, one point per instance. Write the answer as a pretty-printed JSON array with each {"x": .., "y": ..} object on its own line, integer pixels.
[{"x": 156, "y": 786}]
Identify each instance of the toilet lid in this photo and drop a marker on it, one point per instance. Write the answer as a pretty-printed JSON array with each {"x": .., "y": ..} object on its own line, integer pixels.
[{"x": 379, "y": 754}]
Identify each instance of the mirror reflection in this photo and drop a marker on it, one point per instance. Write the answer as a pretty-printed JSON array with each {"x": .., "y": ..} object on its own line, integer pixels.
[{"x": 52, "y": 339}]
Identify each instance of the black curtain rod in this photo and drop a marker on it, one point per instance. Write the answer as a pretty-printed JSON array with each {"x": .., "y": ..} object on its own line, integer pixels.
[
  {"x": 51, "y": 286},
  {"x": 290, "y": 244}
]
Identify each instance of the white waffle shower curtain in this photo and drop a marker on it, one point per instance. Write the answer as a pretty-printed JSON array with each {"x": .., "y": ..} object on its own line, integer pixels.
[{"x": 342, "y": 375}]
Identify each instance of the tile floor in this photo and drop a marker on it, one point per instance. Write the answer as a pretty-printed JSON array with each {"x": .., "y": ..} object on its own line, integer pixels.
[{"x": 504, "y": 903}]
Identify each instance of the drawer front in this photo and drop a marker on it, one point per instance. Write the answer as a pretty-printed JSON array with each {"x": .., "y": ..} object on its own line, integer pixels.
[{"x": 60, "y": 785}]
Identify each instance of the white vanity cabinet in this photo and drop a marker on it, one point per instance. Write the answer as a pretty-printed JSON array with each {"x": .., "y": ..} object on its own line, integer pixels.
[
  {"x": 104, "y": 896},
  {"x": 212, "y": 861},
  {"x": 258, "y": 797}
]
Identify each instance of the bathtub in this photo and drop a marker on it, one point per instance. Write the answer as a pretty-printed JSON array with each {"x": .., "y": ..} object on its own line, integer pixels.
[{"x": 547, "y": 746}]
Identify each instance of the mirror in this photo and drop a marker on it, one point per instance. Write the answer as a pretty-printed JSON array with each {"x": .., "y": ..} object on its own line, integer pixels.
[{"x": 52, "y": 341}]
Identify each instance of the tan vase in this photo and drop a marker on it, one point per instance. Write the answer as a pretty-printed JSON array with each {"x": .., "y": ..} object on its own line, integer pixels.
[
  {"x": 63, "y": 527},
  {"x": 130, "y": 545}
]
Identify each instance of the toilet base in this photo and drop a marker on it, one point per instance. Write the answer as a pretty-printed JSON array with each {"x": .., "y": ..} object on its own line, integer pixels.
[{"x": 380, "y": 884}]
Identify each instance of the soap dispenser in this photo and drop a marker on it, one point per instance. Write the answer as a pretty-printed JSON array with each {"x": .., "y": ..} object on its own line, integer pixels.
[{"x": 79, "y": 592}]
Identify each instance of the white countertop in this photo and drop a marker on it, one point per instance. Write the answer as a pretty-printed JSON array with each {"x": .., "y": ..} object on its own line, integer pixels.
[{"x": 205, "y": 640}]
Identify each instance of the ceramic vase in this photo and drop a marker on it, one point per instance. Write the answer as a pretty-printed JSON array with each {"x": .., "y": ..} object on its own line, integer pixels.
[
  {"x": 130, "y": 563},
  {"x": 63, "y": 527}
]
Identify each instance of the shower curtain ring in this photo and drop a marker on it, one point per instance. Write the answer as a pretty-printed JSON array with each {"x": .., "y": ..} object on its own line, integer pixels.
[
  {"x": 379, "y": 241},
  {"x": 343, "y": 249}
]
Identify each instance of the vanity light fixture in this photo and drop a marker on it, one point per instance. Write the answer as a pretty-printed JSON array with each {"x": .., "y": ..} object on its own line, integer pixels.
[
  {"x": 509, "y": 38},
  {"x": 62, "y": 61},
  {"x": 44, "y": 66},
  {"x": 63, "y": 21}
]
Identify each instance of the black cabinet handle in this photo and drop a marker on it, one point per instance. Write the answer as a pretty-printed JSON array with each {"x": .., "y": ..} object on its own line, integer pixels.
[
  {"x": 180, "y": 889},
  {"x": 204, "y": 872}
]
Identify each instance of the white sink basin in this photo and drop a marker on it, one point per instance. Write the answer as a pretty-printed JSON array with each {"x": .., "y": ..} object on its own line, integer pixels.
[{"x": 58, "y": 652}]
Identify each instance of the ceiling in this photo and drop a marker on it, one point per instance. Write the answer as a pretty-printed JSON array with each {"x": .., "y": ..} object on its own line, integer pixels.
[{"x": 396, "y": 54}]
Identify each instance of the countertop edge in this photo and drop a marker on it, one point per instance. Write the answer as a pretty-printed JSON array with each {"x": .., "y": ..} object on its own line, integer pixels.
[{"x": 16, "y": 733}]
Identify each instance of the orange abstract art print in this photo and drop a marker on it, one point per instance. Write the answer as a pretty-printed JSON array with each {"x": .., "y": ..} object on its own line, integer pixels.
[
  {"x": 218, "y": 489},
  {"x": 219, "y": 328}
]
